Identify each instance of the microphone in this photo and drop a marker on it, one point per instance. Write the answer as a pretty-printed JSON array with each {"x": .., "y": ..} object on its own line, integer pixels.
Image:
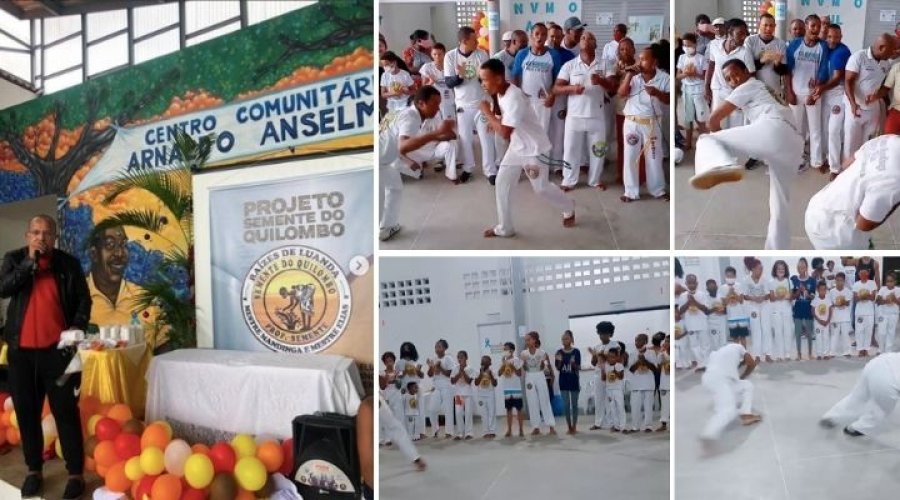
[{"x": 34, "y": 265}]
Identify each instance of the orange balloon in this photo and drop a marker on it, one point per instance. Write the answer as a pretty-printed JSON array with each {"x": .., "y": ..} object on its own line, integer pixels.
[
  {"x": 46, "y": 410},
  {"x": 2, "y": 439},
  {"x": 116, "y": 479},
  {"x": 105, "y": 454},
  {"x": 200, "y": 448},
  {"x": 4, "y": 418},
  {"x": 166, "y": 487},
  {"x": 120, "y": 413},
  {"x": 12, "y": 436},
  {"x": 244, "y": 495},
  {"x": 271, "y": 455},
  {"x": 103, "y": 409},
  {"x": 102, "y": 471},
  {"x": 88, "y": 405},
  {"x": 155, "y": 435},
  {"x": 90, "y": 464}
]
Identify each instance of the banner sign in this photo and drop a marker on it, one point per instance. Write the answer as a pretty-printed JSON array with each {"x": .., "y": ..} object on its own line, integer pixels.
[
  {"x": 849, "y": 14},
  {"x": 526, "y": 14},
  {"x": 291, "y": 265}
]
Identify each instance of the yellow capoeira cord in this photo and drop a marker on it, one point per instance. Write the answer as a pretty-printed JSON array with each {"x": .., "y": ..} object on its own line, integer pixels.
[{"x": 646, "y": 122}]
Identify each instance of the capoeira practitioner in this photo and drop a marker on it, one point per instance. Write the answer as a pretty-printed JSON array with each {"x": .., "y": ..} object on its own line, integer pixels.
[
  {"x": 439, "y": 369},
  {"x": 731, "y": 391},
  {"x": 833, "y": 98},
  {"x": 864, "y": 293},
  {"x": 872, "y": 399},
  {"x": 461, "y": 74},
  {"x": 866, "y": 71},
  {"x": 720, "y": 52},
  {"x": 586, "y": 126},
  {"x": 605, "y": 330},
  {"x": 416, "y": 121},
  {"x": 396, "y": 434},
  {"x": 841, "y": 325},
  {"x": 693, "y": 306},
  {"x": 717, "y": 319},
  {"x": 647, "y": 96},
  {"x": 807, "y": 60},
  {"x": 528, "y": 147},
  {"x": 888, "y": 311},
  {"x": 770, "y": 136},
  {"x": 756, "y": 299},
  {"x": 843, "y": 213}
]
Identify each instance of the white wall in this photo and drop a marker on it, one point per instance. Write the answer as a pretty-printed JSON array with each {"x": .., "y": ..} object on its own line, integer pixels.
[
  {"x": 687, "y": 10},
  {"x": 14, "y": 219},
  {"x": 398, "y": 21},
  {"x": 12, "y": 94}
]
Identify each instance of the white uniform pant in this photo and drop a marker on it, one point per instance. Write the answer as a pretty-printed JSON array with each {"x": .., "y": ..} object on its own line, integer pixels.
[
  {"x": 487, "y": 408},
  {"x": 777, "y": 143},
  {"x": 391, "y": 192},
  {"x": 584, "y": 135},
  {"x": 415, "y": 425},
  {"x": 599, "y": 401},
  {"x": 840, "y": 338},
  {"x": 760, "y": 331},
  {"x": 865, "y": 326},
  {"x": 736, "y": 118},
  {"x": 782, "y": 334},
  {"x": 615, "y": 408},
  {"x": 810, "y": 118},
  {"x": 556, "y": 131},
  {"x": 539, "y": 176},
  {"x": 833, "y": 125},
  {"x": 644, "y": 137},
  {"x": 641, "y": 409},
  {"x": 832, "y": 229},
  {"x": 469, "y": 119},
  {"x": 664, "y": 405},
  {"x": 465, "y": 414},
  {"x": 699, "y": 346},
  {"x": 543, "y": 114},
  {"x": 887, "y": 330},
  {"x": 441, "y": 401},
  {"x": 727, "y": 393},
  {"x": 540, "y": 413},
  {"x": 872, "y": 399},
  {"x": 823, "y": 339},
  {"x": 443, "y": 150},
  {"x": 858, "y": 130},
  {"x": 395, "y": 432},
  {"x": 718, "y": 331}
]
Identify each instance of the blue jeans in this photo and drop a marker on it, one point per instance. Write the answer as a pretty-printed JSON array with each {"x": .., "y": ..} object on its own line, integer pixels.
[{"x": 570, "y": 406}]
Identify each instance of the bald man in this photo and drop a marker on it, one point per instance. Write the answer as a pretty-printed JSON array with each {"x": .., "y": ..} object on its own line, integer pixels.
[{"x": 865, "y": 72}]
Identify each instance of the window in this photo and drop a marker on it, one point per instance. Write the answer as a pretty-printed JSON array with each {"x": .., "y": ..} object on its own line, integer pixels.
[
  {"x": 405, "y": 292},
  {"x": 750, "y": 14},
  {"x": 466, "y": 11}
]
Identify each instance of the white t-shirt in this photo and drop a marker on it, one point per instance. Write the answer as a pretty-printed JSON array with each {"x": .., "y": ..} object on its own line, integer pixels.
[
  {"x": 717, "y": 304},
  {"x": 694, "y": 319},
  {"x": 395, "y": 83},
  {"x": 872, "y": 74},
  {"x": 725, "y": 360},
  {"x": 841, "y": 300},
  {"x": 781, "y": 288},
  {"x": 469, "y": 93},
  {"x": 532, "y": 362},
  {"x": 717, "y": 55},
  {"x": 430, "y": 70},
  {"x": 483, "y": 384},
  {"x": 590, "y": 103},
  {"x": 886, "y": 308},
  {"x": 507, "y": 59},
  {"x": 755, "y": 100},
  {"x": 871, "y": 185},
  {"x": 733, "y": 306},
  {"x": 766, "y": 73},
  {"x": 528, "y": 137},
  {"x": 643, "y": 379},
  {"x": 411, "y": 405},
  {"x": 807, "y": 61},
  {"x": 392, "y": 381},
  {"x": 407, "y": 371},
  {"x": 693, "y": 85},
  {"x": 508, "y": 380},
  {"x": 821, "y": 306},
  {"x": 610, "y": 56},
  {"x": 661, "y": 360},
  {"x": 409, "y": 122},
  {"x": 752, "y": 288},
  {"x": 537, "y": 74},
  {"x": 463, "y": 388},
  {"x": 639, "y": 102},
  {"x": 866, "y": 290},
  {"x": 576, "y": 50},
  {"x": 613, "y": 382},
  {"x": 447, "y": 363}
]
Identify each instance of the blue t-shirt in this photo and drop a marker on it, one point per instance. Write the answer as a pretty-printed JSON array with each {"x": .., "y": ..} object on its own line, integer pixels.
[
  {"x": 803, "y": 307},
  {"x": 837, "y": 59},
  {"x": 568, "y": 376}
]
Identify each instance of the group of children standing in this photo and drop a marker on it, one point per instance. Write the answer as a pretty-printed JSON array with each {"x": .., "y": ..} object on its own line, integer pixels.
[
  {"x": 458, "y": 387},
  {"x": 835, "y": 317}
]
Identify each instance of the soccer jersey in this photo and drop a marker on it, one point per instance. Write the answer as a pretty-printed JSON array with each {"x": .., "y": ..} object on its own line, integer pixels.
[
  {"x": 871, "y": 73},
  {"x": 766, "y": 72},
  {"x": 469, "y": 93}
]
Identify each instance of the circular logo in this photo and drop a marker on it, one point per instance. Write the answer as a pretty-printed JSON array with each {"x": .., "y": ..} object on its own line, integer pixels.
[
  {"x": 480, "y": 403},
  {"x": 296, "y": 299},
  {"x": 859, "y": 320},
  {"x": 561, "y": 115},
  {"x": 632, "y": 139},
  {"x": 529, "y": 386},
  {"x": 599, "y": 149},
  {"x": 753, "y": 315},
  {"x": 880, "y": 319},
  {"x": 836, "y": 110}
]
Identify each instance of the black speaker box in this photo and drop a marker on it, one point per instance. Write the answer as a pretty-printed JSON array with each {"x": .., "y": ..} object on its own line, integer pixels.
[{"x": 326, "y": 462}]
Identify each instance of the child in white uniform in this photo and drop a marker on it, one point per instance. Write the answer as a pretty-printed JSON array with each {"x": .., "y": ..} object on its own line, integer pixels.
[
  {"x": 389, "y": 382},
  {"x": 841, "y": 328},
  {"x": 864, "y": 293},
  {"x": 729, "y": 389},
  {"x": 682, "y": 353},
  {"x": 691, "y": 68},
  {"x": 737, "y": 316},
  {"x": 659, "y": 356},
  {"x": 693, "y": 306},
  {"x": 439, "y": 369},
  {"x": 433, "y": 74},
  {"x": 412, "y": 412},
  {"x": 756, "y": 300},
  {"x": 462, "y": 377},
  {"x": 396, "y": 83},
  {"x": 822, "y": 311},
  {"x": 410, "y": 370},
  {"x": 888, "y": 311},
  {"x": 716, "y": 321},
  {"x": 485, "y": 389},
  {"x": 527, "y": 150},
  {"x": 614, "y": 374},
  {"x": 647, "y": 96},
  {"x": 511, "y": 384},
  {"x": 872, "y": 400},
  {"x": 643, "y": 385},
  {"x": 779, "y": 288},
  {"x": 605, "y": 331},
  {"x": 534, "y": 360}
]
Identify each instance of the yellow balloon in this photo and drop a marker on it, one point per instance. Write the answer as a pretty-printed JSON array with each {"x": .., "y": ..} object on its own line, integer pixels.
[
  {"x": 484, "y": 22},
  {"x": 13, "y": 420},
  {"x": 250, "y": 474},
  {"x": 152, "y": 461},
  {"x": 48, "y": 441},
  {"x": 244, "y": 446},
  {"x": 58, "y": 447},
  {"x": 771, "y": 10},
  {"x": 199, "y": 471},
  {"x": 92, "y": 424},
  {"x": 133, "y": 470}
]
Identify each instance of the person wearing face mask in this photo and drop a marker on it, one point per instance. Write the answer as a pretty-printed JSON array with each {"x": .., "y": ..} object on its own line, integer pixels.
[
  {"x": 691, "y": 68},
  {"x": 396, "y": 83},
  {"x": 770, "y": 136},
  {"x": 418, "y": 52},
  {"x": 717, "y": 89},
  {"x": 736, "y": 314},
  {"x": 807, "y": 61}
]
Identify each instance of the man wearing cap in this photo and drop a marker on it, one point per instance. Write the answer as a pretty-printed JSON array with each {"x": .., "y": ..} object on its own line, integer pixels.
[
  {"x": 513, "y": 41},
  {"x": 573, "y": 28},
  {"x": 720, "y": 28}
]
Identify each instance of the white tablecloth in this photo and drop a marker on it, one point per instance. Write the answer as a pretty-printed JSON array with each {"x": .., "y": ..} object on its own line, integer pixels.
[{"x": 249, "y": 392}]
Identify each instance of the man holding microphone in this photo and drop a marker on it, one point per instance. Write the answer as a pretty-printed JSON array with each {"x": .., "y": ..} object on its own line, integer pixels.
[{"x": 48, "y": 294}]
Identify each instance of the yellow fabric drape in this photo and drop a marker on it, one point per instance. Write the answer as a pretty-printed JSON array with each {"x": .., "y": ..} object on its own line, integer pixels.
[{"x": 117, "y": 376}]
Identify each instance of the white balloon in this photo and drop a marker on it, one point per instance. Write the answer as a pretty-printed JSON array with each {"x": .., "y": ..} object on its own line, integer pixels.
[
  {"x": 48, "y": 425},
  {"x": 8, "y": 404},
  {"x": 679, "y": 155},
  {"x": 175, "y": 456}
]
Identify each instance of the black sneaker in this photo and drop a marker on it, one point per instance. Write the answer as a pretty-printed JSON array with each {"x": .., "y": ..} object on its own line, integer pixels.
[
  {"x": 493, "y": 180},
  {"x": 852, "y": 432},
  {"x": 751, "y": 164},
  {"x": 74, "y": 489},
  {"x": 464, "y": 177},
  {"x": 31, "y": 488}
]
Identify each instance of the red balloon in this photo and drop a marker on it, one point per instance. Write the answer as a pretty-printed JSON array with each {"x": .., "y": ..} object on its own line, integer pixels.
[
  {"x": 127, "y": 445},
  {"x": 287, "y": 468},
  {"x": 144, "y": 487},
  {"x": 107, "y": 429},
  {"x": 223, "y": 457},
  {"x": 193, "y": 494}
]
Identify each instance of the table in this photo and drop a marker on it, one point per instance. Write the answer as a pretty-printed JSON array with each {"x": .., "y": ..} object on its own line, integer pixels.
[
  {"x": 257, "y": 393},
  {"x": 117, "y": 375}
]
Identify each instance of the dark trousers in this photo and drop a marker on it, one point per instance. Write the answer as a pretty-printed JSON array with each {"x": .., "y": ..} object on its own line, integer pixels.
[{"x": 33, "y": 374}]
